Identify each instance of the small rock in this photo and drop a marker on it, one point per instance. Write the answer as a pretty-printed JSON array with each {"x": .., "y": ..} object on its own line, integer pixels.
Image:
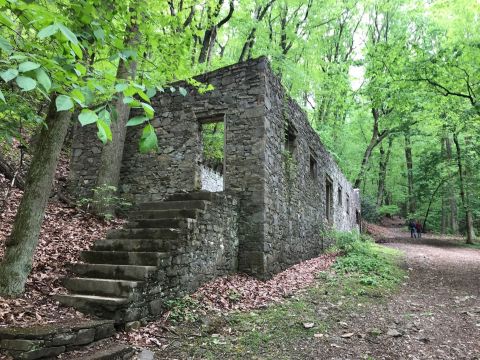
[
  {"x": 394, "y": 333},
  {"x": 308, "y": 325},
  {"x": 317, "y": 336},
  {"x": 347, "y": 335}
]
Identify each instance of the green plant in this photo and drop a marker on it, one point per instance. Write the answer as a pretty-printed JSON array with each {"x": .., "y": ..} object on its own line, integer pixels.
[
  {"x": 104, "y": 197},
  {"x": 388, "y": 210},
  {"x": 182, "y": 309}
]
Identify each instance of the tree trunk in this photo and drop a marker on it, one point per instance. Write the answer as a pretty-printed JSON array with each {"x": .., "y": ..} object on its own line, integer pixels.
[
  {"x": 452, "y": 200},
  {"x": 382, "y": 172},
  {"x": 20, "y": 246},
  {"x": 466, "y": 205},
  {"x": 444, "y": 219},
  {"x": 409, "y": 163},
  {"x": 376, "y": 139},
  {"x": 112, "y": 152}
]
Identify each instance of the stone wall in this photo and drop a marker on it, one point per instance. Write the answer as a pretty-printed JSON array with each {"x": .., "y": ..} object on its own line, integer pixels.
[
  {"x": 297, "y": 167},
  {"x": 280, "y": 186},
  {"x": 210, "y": 247},
  {"x": 48, "y": 341}
]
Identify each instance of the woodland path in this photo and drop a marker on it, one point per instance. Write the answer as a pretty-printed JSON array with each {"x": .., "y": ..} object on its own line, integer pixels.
[{"x": 434, "y": 315}]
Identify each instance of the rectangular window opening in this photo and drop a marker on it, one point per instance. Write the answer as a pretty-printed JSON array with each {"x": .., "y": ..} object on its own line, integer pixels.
[
  {"x": 339, "y": 196},
  {"x": 348, "y": 204},
  {"x": 313, "y": 166},
  {"x": 212, "y": 137},
  {"x": 329, "y": 199},
  {"x": 290, "y": 138}
]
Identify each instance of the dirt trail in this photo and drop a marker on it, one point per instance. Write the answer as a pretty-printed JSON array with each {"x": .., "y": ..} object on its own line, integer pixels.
[{"x": 435, "y": 314}]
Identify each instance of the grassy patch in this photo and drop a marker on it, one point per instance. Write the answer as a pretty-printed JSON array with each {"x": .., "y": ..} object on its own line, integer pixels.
[
  {"x": 366, "y": 272},
  {"x": 472, "y": 246}
]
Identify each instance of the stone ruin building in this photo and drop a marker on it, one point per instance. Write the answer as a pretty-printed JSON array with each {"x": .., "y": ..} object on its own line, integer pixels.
[{"x": 259, "y": 211}]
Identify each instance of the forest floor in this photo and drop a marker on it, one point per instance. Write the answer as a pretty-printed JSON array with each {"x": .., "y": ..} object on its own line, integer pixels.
[
  {"x": 433, "y": 314},
  {"x": 306, "y": 312}
]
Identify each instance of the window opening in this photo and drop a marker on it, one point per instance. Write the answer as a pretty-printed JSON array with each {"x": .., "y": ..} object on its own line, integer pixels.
[
  {"x": 212, "y": 136},
  {"x": 290, "y": 138},
  {"x": 329, "y": 199},
  {"x": 348, "y": 204},
  {"x": 339, "y": 196},
  {"x": 313, "y": 166}
]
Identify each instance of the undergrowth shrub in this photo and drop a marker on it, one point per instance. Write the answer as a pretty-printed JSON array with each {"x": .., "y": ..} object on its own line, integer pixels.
[
  {"x": 369, "y": 210},
  {"x": 374, "y": 264},
  {"x": 183, "y": 309}
]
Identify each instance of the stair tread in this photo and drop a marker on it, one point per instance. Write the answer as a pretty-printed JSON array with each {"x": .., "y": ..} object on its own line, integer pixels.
[
  {"x": 130, "y": 282},
  {"x": 146, "y": 267},
  {"x": 96, "y": 298}
]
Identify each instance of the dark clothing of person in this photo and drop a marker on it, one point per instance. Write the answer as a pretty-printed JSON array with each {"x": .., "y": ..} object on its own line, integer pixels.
[
  {"x": 419, "y": 228},
  {"x": 413, "y": 229}
]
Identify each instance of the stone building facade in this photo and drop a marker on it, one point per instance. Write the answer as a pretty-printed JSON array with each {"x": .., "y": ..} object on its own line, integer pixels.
[{"x": 286, "y": 186}]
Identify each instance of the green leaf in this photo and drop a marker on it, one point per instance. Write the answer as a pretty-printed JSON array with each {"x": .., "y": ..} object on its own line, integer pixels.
[
  {"x": 182, "y": 91},
  {"x": 87, "y": 117},
  {"x": 143, "y": 95},
  {"x": 104, "y": 133},
  {"x": 2, "y": 97},
  {"x": 63, "y": 103},
  {"x": 78, "y": 96},
  {"x": 9, "y": 74},
  {"x": 151, "y": 91},
  {"x": 5, "y": 45},
  {"x": 43, "y": 79},
  {"x": 148, "y": 110},
  {"x": 105, "y": 116},
  {"x": 26, "y": 83},
  {"x": 148, "y": 141},
  {"x": 77, "y": 50},
  {"x": 121, "y": 87},
  {"x": 5, "y": 20},
  {"x": 99, "y": 34},
  {"x": 127, "y": 99},
  {"x": 28, "y": 66},
  {"x": 68, "y": 34},
  {"x": 48, "y": 31},
  {"x": 137, "y": 120}
]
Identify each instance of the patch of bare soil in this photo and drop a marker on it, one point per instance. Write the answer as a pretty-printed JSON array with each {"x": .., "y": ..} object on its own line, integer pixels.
[{"x": 435, "y": 315}]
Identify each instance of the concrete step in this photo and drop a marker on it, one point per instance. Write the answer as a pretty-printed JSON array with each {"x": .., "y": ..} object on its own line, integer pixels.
[
  {"x": 199, "y": 195},
  {"x": 120, "y": 272},
  {"x": 113, "y": 352},
  {"x": 113, "y": 308},
  {"x": 165, "y": 214},
  {"x": 85, "y": 302},
  {"x": 142, "y": 245},
  {"x": 126, "y": 258},
  {"x": 103, "y": 287},
  {"x": 149, "y": 220},
  {"x": 144, "y": 233},
  {"x": 174, "y": 205}
]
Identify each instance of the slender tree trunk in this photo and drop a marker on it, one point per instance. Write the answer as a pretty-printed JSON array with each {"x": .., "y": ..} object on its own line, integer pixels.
[
  {"x": 376, "y": 139},
  {"x": 409, "y": 163},
  {"x": 382, "y": 172},
  {"x": 20, "y": 247},
  {"x": 112, "y": 152},
  {"x": 452, "y": 217},
  {"x": 466, "y": 204},
  {"x": 444, "y": 219}
]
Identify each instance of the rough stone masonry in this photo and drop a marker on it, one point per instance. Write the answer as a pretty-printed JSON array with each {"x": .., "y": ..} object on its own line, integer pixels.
[{"x": 286, "y": 185}]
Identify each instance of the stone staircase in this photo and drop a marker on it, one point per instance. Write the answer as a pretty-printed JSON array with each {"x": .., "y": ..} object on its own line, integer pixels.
[{"x": 123, "y": 277}]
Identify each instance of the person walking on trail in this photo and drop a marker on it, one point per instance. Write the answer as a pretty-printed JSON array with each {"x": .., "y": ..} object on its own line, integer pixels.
[
  {"x": 419, "y": 228},
  {"x": 413, "y": 228}
]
